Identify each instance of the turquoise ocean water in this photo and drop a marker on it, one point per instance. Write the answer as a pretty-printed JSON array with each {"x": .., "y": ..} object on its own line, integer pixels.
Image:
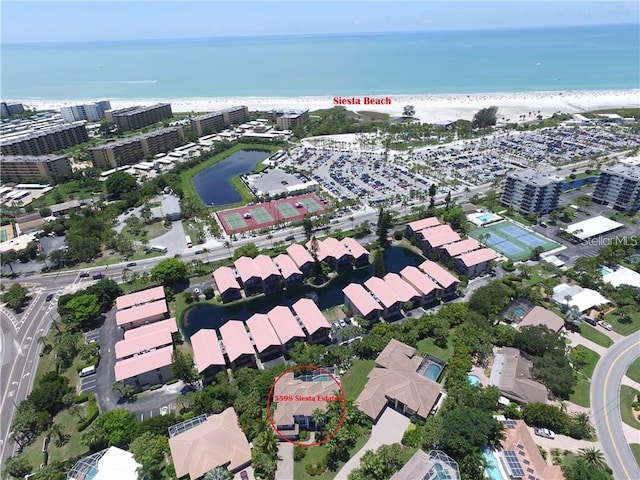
[{"x": 555, "y": 59}]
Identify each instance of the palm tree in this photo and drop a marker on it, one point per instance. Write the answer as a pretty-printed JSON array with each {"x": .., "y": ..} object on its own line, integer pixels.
[
  {"x": 268, "y": 443},
  {"x": 594, "y": 457},
  {"x": 318, "y": 417},
  {"x": 228, "y": 245},
  {"x": 206, "y": 251}
]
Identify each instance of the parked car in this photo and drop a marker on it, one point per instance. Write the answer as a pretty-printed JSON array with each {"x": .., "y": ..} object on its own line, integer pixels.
[
  {"x": 49, "y": 297},
  {"x": 605, "y": 325},
  {"x": 244, "y": 475},
  {"x": 343, "y": 324},
  {"x": 336, "y": 325},
  {"x": 544, "y": 432},
  {"x": 590, "y": 321},
  {"x": 289, "y": 238},
  {"x": 164, "y": 410}
]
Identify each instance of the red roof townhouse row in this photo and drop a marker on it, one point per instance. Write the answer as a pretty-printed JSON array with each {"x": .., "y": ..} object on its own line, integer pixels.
[
  {"x": 264, "y": 275},
  {"x": 144, "y": 356},
  {"x": 267, "y": 335}
]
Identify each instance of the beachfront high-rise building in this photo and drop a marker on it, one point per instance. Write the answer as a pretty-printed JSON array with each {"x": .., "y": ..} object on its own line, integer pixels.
[
  {"x": 135, "y": 149},
  {"x": 92, "y": 112},
  {"x": 529, "y": 191},
  {"x": 46, "y": 141},
  {"x": 619, "y": 186},
  {"x": 29, "y": 168},
  {"x": 288, "y": 119},
  {"x": 215, "y": 121},
  {"x": 9, "y": 109},
  {"x": 133, "y": 118}
]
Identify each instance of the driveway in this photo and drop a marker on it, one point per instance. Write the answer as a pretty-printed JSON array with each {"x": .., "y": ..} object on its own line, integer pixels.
[
  {"x": 284, "y": 469},
  {"x": 389, "y": 429}
]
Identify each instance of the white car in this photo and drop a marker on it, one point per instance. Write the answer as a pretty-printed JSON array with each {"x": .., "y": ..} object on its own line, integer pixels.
[
  {"x": 342, "y": 323},
  {"x": 164, "y": 410},
  {"x": 544, "y": 432},
  {"x": 605, "y": 325},
  {"x": 196, "y": 291}
]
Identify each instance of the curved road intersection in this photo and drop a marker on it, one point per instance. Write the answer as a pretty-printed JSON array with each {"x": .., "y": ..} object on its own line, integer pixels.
[{"x": 605, "y": 405}]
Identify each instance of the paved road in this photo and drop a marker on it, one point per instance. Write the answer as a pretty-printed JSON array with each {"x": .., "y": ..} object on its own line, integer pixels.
[
  {"x": 20, "y": 349},
  {"x": 605, "y": 404}
]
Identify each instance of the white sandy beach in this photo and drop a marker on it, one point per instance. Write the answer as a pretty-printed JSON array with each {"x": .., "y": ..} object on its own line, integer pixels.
[{"x": 429, "y": 108}]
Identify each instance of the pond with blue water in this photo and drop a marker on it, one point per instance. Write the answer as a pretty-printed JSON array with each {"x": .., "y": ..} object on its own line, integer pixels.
[
  {"x": 213, "y": 185},
  {"x": 328, "y": 296}
]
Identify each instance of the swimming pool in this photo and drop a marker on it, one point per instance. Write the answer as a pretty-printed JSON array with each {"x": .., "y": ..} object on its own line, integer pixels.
[
  {"x": 492, "y": 469},
  {"x": 605, "y": 271},
  {"x": 473, "y": 379},
  {"x": 432, "y": 372},
  {"x": 480, "y": 219},
  {"x": 519, "y": 311}
]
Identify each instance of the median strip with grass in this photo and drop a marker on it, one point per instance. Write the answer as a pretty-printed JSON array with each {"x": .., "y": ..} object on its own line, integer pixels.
[
  {"x": 634, "y": 370},
  {"x": 629, "y": 396}
]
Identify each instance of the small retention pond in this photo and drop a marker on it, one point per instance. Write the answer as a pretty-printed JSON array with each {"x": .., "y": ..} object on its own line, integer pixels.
[
  {"x": 213, "y": 185},
  {"x": 214, "y": 316}
]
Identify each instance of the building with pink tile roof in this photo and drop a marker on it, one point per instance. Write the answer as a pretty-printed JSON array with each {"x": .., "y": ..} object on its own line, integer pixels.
[
  {"x": 360, "y": 302},
  {"x": 385, "y": 296},
  {"x": 264, "y": 336},
  {"x": 428, "y": 289},
  {"x": 301, "y": 257},
  {"x": 403, "y": 291},
  {"x": 312, "y": 319},
  {"x": 269, "y": 273},
  {"x": 463, "y": 246},
  {"x": 359, "y": 254},
  {"x": 146, "y": 369},
  {"x": 475, "y": 263},
  {"x": 169, "y": 325},
  {"x": 226, "y": 284},
  {"x": 332, "y": 252},
  {"x": 435, "y": 237},
  {"x": 414, "y": 227},
  {"x": 141, "y": 344},
  {"x": 237, "y": 344},
  {"x": 290, "y": 272},
  {"x": 139, "y": 298},
  {"x": 137, "y": 316},
  {"x": 442, "y": 277},
  {"x": 286, "y": 326},
  {"x": 249, "y": 275},
  {"x": 207, "y": 353}
]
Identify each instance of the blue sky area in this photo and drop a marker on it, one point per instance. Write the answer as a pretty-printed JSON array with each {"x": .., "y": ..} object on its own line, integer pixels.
[{"x": 53, "y": 21}]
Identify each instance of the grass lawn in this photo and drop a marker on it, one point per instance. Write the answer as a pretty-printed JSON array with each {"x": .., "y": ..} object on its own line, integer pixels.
[
  {"x": 65, "y": 192},
  {"x": 635, "y": 449},
  {"x": 634, "y": 370},
  {"x": 590, "y": 333},
  {"x": 152, "y": 231},
  {"x": 627, "y": 396},
  {"x": 354, "y": 381},
  {"x": 623, "y": 328},
  {"x": 518, "y": 218},
  {"x": 535, "y": 277},
  {"x": 580, "y": 395},
  {"x": 72, "y": 448},
  {"x": 316, "y": 454},
  {"x": 589, "y": 357},
  {"x": 427, "y": 345}
]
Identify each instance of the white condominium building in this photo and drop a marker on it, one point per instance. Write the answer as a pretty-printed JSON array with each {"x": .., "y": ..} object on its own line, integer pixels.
[{"x": 529, "y": 191}]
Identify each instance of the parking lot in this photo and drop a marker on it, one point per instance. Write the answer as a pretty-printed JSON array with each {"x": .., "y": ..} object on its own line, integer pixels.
[{"x": 379, "y": 177}]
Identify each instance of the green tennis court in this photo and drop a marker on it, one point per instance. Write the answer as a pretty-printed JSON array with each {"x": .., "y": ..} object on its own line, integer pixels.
[
  {"x": 512, "y": 241},
  {"x": 286, "y": 210},
  {"x": 261, "y": 215},
  {"x": 234, "y": 220},
  {"x": 311, "y": 205}
]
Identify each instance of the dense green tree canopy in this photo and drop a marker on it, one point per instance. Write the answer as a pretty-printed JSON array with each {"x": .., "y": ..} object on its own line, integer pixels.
[
  {"x": 485, "y": 117},
  {"x": 169, "y": 272},
  {"x": 149, "y": 451},
  {"x": 111, "y": 428},
  {"x": 15, "y": 296},
  {"x": 120, "y": 183},
  {"x": 490, "y": 299},
  {"x": 247, "y": 250}
]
